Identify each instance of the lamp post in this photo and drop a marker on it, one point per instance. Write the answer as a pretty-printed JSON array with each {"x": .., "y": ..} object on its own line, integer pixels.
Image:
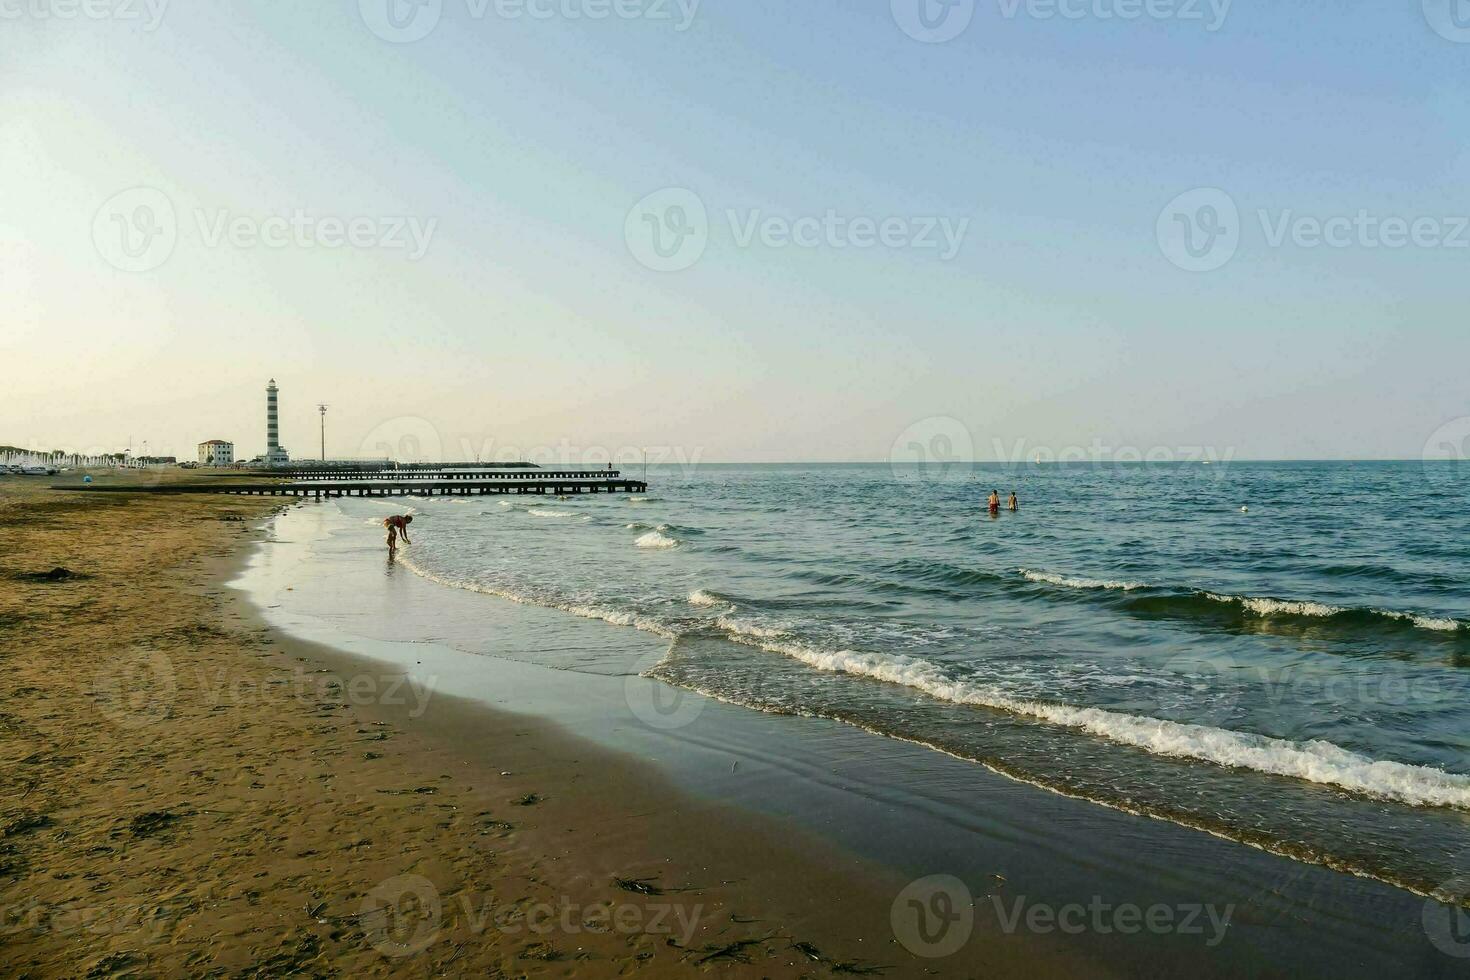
[{"x": 323, "y": 410}]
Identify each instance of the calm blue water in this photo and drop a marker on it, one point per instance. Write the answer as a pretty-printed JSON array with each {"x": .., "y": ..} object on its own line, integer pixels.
[{"x": 1295, "y": 675}]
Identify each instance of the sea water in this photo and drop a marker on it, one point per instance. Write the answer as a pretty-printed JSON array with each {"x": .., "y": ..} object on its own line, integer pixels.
[{"x": 1278, "y": 653}]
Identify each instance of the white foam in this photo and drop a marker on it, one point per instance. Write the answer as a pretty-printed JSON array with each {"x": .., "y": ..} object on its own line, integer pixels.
[
  {"x": 699, "y": 597},
  {"x": 1279, "y": 607},
  {"x": 1080, "y": 583},
  {"x": 617, "y": 617},
  {"x": 549, "y": 512},
  {"x": 1288, "y": 607},
  {"x": 1431, "y": 623},
  {"x": 1314, "y": 761},
  {"x": 657, "y": 540}
]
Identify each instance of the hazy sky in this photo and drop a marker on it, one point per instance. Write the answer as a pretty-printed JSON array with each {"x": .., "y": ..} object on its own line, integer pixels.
[{"x": 869, "y": 222}]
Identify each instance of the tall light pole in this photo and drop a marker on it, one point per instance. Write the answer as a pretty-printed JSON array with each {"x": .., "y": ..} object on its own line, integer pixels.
[{"x": 323, "y": 410}]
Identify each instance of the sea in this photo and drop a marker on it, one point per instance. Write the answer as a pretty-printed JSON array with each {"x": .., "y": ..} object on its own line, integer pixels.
[{"x": 1274, "y": 653}]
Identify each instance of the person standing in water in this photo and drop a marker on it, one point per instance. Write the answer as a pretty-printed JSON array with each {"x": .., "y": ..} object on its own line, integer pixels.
[
  {"x": 397, "y": 525},
  {"x": 994, "y": 503},
  {"x": 1014, "y": 505}
]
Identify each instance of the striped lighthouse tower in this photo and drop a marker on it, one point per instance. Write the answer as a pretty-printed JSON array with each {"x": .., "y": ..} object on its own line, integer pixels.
[{"x": 274, "y": 454}]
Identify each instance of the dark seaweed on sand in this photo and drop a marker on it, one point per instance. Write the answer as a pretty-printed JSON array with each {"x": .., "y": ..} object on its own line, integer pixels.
[
  {"x": 57, "y": 574},
  {"x": 150, "y": 823}
]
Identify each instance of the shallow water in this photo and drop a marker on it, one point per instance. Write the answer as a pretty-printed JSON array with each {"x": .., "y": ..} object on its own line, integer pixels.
[{"x": 1293, "y": 675}]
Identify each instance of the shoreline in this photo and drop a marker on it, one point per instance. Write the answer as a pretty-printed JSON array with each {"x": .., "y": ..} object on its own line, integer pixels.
[
  {"x": 1288, "y": 909},
  {"x": 237, "y": 808},
  {"x": 248, "y": 825}
]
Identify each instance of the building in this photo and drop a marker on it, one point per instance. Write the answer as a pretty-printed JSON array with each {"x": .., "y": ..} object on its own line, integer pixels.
[
  {"x": 216, "y": 452},
  {"x": 275, "y": 453}
]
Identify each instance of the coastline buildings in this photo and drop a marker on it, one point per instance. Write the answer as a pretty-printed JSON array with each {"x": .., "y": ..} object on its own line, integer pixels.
[
  {"x": 216, "y": 452},
  {"x": 275, "y": 453}
]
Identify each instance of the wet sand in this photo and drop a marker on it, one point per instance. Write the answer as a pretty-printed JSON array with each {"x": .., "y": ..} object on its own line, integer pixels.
[
  {"x": 187, "y": 791},
  {"x": 187, "y": 788}
]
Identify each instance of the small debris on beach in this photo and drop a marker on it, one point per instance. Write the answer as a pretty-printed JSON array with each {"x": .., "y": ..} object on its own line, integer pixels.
[
  {"x": 530, "y": 799},
  {"x": 735, "y": 951},
  {"x": 638, "y": 886}
]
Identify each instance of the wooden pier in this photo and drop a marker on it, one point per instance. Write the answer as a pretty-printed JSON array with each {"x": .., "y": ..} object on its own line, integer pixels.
[{"x": 417, "y": 484}]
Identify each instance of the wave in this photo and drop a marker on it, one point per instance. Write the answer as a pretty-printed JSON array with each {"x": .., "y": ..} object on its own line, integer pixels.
[
  {"x": 1321, "y": 610},
  {"x": 656, "y": 539},
  {"x": 706, "y": 598},
  {"x": 549, "y": 512},
  {"x": 1313, "y": 761},
  {"x": 1184, "y": 602},
  {"x": 1047, "y": 578}
]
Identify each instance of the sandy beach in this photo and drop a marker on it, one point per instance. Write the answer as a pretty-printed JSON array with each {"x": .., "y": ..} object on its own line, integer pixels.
[
  {"x": 188, "y": 792},
  {"x": 192, "y": 790}
]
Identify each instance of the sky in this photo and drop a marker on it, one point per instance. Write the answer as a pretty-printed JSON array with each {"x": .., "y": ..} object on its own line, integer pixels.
[{"x": 736, "y": 231}]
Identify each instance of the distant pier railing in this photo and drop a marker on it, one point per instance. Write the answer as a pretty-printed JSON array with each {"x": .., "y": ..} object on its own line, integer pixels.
[
  {"x": 455, "y": 474},
  {"x": 537, "y": 482}
]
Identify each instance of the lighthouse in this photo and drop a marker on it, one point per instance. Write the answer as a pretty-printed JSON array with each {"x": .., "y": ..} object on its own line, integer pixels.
[{"x": 275, "y": 455}]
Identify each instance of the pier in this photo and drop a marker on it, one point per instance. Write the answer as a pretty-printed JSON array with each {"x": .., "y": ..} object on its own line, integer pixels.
[{"x": 422, "y": 483}]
